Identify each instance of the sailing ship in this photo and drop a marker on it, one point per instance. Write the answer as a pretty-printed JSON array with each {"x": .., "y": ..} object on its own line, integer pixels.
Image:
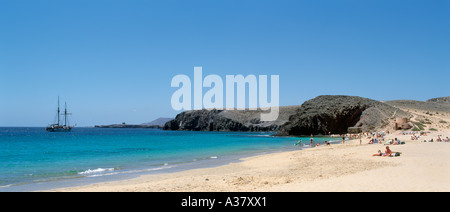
[{"x": 58, "y": 127}]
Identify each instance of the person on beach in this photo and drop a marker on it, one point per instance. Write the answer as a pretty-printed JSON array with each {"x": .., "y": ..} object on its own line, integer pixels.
[
  {"x": 311, "y": 140},
  {"x": 396, "y": 142},
  {"x": 378, "y": 154},
  {"x": 343, "y": 139},
  {"x": 388, "y": 152},
  {"x": 299, "y": 143},
  {"x": 360, "y": 138}
]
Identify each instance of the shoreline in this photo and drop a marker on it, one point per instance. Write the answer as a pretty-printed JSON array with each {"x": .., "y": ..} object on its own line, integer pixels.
[
  {"x": 339, "y": 167},
  {"x": 197, "y": 163},
  {"x": 112, "y": 172}
]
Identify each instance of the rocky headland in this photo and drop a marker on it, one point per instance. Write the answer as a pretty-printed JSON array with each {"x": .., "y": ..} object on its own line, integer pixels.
[
  {"x": 335, "y": 114},
  {"x": 229, "y": 120}
]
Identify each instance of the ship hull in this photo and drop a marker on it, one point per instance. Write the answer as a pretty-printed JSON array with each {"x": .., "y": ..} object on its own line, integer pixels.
[{"x": 58, "y": 129}]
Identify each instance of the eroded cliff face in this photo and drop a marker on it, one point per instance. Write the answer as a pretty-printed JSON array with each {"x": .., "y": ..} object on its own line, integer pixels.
[
  {"x": 228, "y": 120},
  {"x": 204, "y": 120},
  {"x": 318, "y": 116},
  {"x": 335, "y": 114}
]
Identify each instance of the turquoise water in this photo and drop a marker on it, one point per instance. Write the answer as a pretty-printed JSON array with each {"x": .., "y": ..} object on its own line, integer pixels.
[{"x": 30, "y": 156}]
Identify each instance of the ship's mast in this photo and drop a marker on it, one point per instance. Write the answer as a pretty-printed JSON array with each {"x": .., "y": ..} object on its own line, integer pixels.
[
  {"x": 58, "y": 110},
  {"x": 65, "y": 113}
]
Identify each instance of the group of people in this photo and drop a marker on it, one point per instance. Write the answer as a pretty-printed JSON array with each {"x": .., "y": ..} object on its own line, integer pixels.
[
  {"x": 349, "y": 136},
  {"x": 387, "y": 153},
  {"x": 311, "y": 140},
  {"x": 439, "y": 139},
  {"x": 415, "y": 135},
  {"x": 396, "y": 141},
  {"x": 445, "y": 140},
  {"x": 389, "y": 142},
  {"x": 374, "y": 138}
]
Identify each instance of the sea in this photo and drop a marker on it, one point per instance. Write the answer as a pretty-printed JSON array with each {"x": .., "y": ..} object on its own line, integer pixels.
[{"x": 32, "y": 159}]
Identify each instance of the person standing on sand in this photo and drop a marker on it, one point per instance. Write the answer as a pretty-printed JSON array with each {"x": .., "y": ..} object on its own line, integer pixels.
[
  {"x": 311, "y": 139},
  {"x": 343, "y": 139},
  {"x": 360, "y": 138}
]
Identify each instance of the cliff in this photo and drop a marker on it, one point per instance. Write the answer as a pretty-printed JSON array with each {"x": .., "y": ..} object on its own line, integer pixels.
[
  {"x": 324, "y": 114},
  {"x": 335, "y": 114},
  {"x": 228, "y": 120}
]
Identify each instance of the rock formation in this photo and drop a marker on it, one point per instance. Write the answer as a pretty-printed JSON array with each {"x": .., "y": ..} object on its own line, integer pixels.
[
  {"x": 335, "y": 114},
  {"x": 228, "y": 120},
  {"x": 324, "y": 114}
]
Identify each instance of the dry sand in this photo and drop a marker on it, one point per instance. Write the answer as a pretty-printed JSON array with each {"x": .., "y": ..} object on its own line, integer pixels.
[{"x": 340, "y": 167}]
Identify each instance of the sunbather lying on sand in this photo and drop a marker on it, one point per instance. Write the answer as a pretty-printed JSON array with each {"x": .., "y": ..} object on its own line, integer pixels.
[
  {"x": 387, "y": 153},
  {"x": 378, "y": 154}
]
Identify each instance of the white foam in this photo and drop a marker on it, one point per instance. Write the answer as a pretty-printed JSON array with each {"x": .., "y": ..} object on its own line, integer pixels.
[
  {"x": 6, "y": 186},
  {"x": 262, "y": 135},
  {"x": 109, "y": 171},
  {"x": 95, "y": 171}
]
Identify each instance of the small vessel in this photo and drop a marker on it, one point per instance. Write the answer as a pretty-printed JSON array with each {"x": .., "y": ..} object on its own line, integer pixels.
[{"x": 57, "y": 127}]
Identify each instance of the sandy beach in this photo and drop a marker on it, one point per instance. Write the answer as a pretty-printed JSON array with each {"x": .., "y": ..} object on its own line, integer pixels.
[{"x": 422, "y": 166}]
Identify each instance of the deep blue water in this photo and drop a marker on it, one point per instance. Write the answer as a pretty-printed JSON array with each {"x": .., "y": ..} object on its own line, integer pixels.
[{"x": 30, "y": 156}]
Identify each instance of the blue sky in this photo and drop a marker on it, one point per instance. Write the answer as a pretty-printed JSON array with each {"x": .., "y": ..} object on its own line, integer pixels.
[{"x": 113, "y": 61}]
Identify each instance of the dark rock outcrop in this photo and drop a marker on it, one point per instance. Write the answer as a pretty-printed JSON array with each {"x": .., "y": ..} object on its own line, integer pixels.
[
  {"x": 318, "y": 116},
  {"x": 336, "y": 114},
  {"x": 228, "y": 120}
]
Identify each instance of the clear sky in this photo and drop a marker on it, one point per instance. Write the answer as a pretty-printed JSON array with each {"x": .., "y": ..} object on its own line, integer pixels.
[{"x": 113, "y": 61}]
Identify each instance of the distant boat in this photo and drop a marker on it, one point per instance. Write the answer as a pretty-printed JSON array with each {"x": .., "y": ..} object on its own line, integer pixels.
[{"x": 57, "y": 127}]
